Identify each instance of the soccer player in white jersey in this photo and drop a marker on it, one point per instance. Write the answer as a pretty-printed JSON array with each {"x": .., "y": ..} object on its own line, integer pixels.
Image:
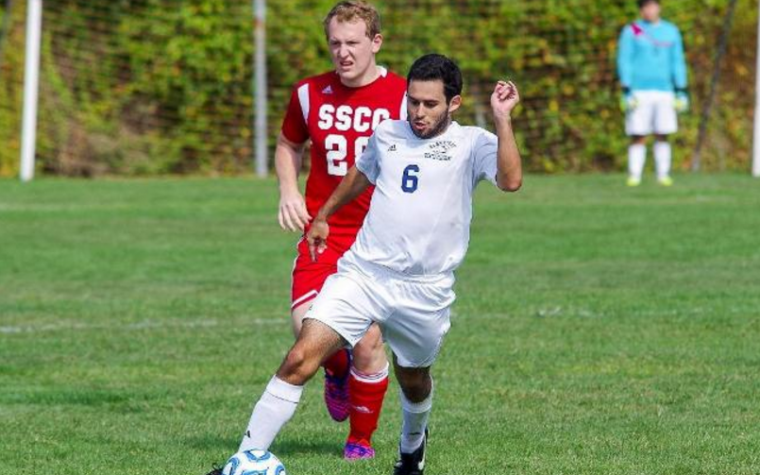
[
  {"x": 652, "y": 72},
  {"x": 400, "y": 271}
]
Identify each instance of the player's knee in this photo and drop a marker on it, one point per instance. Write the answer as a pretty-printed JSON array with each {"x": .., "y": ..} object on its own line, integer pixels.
[
  {"x": 369, "y": 353},
  {"x": 416, "y": 385},
  {"x": 371, "y": 345},
  {"x": 298, "y": 367},
  {"x": 661, "y": 138}
]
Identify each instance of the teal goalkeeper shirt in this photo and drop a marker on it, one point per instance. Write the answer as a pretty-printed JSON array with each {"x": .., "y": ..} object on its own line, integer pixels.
[{"x": 650, "y": 57}]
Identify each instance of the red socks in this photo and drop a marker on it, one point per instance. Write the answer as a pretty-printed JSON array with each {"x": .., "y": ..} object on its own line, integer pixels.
[{"x": 366, "y": 394}]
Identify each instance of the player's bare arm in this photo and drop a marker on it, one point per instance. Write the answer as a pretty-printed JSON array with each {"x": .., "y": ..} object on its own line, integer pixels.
[
  {"x": 504, "y": 99},
  {"x": 288, "y": 158},
  {"x": 352, "y": 185}
]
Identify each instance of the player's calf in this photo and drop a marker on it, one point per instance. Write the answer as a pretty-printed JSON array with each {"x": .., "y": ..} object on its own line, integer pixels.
[
  {"x": 367, "y": 392},
  {"x": 368, "y": 383},
  {"x": 416, "y": 383},
  {"x": 416, "y": 403},
  {"x": 283, "y": 393}
]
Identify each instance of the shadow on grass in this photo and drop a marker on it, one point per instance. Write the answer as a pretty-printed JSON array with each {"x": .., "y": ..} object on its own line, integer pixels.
[
  {"x": 212, "y": 442},
  {"x": 287, "y": 448},
  {"x": 281, "y": 447}
]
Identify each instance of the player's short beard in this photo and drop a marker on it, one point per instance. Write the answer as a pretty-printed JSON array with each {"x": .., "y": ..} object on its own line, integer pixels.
[{"x": 438, "y": 127}]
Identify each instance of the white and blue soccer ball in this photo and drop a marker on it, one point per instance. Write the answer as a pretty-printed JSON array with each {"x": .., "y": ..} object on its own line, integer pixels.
[{"x": 254, "y": 462}]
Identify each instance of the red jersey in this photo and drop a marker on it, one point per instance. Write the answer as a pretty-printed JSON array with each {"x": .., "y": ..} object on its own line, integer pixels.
[{"x": 339, "y": 121}]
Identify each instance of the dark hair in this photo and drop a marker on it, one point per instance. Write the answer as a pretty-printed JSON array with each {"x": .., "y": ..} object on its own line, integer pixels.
[
  {"x": 432, "y": 67},
  {"x": 642, "y": 3}
]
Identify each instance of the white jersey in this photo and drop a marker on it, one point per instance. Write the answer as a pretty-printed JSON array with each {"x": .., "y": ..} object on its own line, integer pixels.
[{"x": 419, "y": 218}]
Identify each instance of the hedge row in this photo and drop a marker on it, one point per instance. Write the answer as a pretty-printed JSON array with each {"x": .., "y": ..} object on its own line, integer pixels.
[{"x": 154, "y": 87}]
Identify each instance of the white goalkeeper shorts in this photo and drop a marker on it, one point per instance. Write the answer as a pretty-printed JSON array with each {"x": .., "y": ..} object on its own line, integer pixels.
[
  {"x": 412, "y": 312},
  {"x": 655, "y": 113}
]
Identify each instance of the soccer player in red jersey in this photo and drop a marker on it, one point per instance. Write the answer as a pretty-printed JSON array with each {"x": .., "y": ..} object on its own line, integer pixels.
[{"x": 337, "y": 111}]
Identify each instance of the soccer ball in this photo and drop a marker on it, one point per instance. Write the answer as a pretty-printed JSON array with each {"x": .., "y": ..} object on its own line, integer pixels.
[{"x": 254, "y": 462}]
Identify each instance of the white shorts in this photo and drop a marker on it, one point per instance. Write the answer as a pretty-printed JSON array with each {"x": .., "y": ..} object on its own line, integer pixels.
[
  {"x": 412, "y": 312},
  {"x": 655, "y": 113}
]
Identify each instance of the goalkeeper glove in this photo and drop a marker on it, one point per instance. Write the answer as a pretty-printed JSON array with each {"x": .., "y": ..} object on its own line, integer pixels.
[
  {"x": 681, "y": 102},
  {"x": 628, "y": 101}
]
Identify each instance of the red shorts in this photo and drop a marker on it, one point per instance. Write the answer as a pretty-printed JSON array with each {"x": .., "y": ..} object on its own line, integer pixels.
[{"x": 308, "y": 276}]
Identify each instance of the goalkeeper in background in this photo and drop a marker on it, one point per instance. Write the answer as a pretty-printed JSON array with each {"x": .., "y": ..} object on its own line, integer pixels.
[{"x": 652, "y": 72}]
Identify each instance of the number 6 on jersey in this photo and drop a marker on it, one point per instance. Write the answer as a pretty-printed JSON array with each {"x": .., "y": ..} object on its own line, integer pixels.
[{"x": 410, "y": 181}]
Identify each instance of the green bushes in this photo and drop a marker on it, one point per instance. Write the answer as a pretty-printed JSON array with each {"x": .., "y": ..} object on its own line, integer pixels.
[{"x": 155, "y": 87}]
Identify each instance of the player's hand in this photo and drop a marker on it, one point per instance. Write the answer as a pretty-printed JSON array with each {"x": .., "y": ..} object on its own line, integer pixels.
[
  {"x": 681, "y": 102},
  {"x": 317, "y": 238},
  {"x": 293, "y": 215},
  {"x": 628, "y": 101},
  {"x": 504, "y": 99}
]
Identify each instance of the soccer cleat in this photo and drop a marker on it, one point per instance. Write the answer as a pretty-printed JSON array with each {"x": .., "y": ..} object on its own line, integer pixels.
[
  {"x": 336, "y": 395},
  {"x": 414, "y": 463},
  {"x": 358, "y": 451},
  {"x": 217, "y": 470},
  {"x": 665, "y": 181},
  {"x": 632, "y": 182}
]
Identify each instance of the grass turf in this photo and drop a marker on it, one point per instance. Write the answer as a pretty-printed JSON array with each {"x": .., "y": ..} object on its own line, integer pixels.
[{"x": 598, "y": 330}]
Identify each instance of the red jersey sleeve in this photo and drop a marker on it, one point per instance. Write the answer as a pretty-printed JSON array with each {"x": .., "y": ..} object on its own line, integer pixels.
[{"x": 294, "y": 126}]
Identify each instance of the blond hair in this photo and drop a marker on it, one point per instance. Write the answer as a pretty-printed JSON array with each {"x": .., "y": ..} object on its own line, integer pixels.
[{"x": 353, "y": 10}]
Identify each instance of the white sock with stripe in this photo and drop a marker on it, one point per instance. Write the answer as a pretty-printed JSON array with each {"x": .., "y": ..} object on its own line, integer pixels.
[
  {"x": 275, "y": 408},
  {"x": 416, "y": 415}
]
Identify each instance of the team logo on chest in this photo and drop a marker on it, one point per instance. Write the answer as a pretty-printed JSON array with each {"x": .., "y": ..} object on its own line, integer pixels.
[
  {"x": 439, "y": 150},
  {"x": 345, "y": 118}
]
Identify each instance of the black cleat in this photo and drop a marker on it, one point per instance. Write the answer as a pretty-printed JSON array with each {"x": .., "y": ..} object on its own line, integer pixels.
[
  {"x": 217, "y": 470},
  {"x": 414, "y": 463}
]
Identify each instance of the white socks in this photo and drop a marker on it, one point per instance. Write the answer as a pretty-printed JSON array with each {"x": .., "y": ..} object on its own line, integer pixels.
[
  {"x": 275, "y": 408},
  {"x": 280, "y": 400},
  {"x": 416, "y": 416},
  {"x": 637, "y": 156},
  {"x": 662, "y": 157}
]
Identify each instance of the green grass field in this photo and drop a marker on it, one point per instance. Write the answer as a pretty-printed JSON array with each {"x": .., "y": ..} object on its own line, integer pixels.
[{"x": 598, "y": 330}]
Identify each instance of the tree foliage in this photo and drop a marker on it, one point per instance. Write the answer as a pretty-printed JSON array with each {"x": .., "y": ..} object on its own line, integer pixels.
[{"x": 154, "y": 87}]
